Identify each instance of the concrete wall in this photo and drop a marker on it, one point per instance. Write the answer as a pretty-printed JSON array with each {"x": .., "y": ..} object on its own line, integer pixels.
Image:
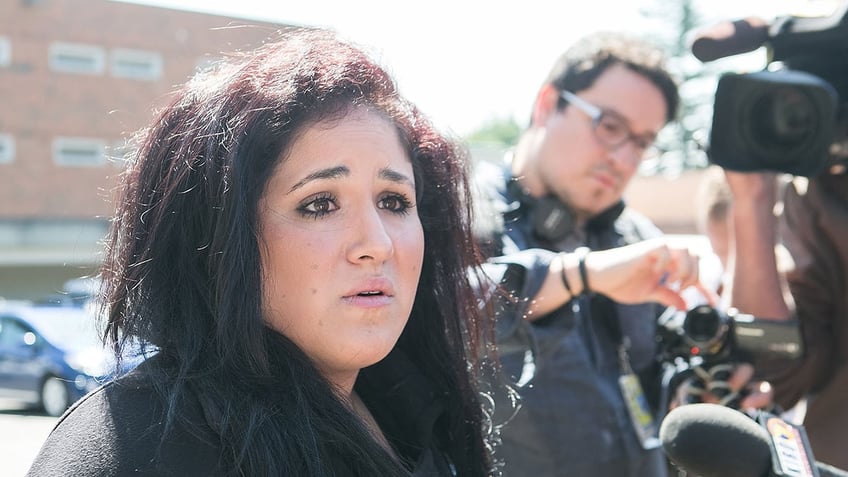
[{"x": 669, "y": 201}]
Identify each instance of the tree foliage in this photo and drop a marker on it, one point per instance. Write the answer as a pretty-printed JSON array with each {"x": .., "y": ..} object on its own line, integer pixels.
[
  {"x": 498, "y": 132},
  {"x": 682, "y": 141}
]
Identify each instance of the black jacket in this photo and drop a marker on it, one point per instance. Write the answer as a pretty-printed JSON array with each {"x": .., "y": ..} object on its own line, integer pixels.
[{"x": 117, "y": 429}]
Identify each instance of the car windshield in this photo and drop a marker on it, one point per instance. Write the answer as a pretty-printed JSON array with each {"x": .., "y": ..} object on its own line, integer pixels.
[{"x": 68, "y": 328}]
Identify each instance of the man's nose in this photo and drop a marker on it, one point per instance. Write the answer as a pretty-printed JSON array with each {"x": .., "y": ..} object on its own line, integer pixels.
[{"x": 627, "y": 154}]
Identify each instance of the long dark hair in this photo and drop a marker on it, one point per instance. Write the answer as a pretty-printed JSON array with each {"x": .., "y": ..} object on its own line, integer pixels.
[{"x": 182, "y": 270}]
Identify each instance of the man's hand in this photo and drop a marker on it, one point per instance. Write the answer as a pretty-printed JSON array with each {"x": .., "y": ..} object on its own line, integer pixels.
[
  {"x": 737, "y": 391},
  {"x": 649, "y": 271}
]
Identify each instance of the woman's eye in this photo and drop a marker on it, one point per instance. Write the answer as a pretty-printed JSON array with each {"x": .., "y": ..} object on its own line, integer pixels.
[
  {"x": 318, "y": 207},
  {"x": 395, "y": 203}
]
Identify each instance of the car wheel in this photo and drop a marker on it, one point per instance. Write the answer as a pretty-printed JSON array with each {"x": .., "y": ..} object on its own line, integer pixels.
[{"x": 54, "y": 396}]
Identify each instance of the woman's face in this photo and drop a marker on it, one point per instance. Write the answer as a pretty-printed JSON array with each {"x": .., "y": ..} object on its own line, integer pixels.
[{"x": 342, "y": 244}]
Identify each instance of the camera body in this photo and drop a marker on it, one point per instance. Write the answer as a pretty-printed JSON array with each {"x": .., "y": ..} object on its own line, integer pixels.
[
  {"x": 791, "y": 119},
  {"x": 712, "y": 336}
]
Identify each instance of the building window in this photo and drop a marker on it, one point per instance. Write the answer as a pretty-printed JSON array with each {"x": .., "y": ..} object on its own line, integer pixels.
[
  {"x": 74, "y": 151},
  {"x": 206, "y": 63},
  {"x": 136, "y": 64},
  {"x": 7, "y": 149},
  {"x": 77, "y": 58},
  {"x": 119, "y": 153},
  {"x": 5, "y": 52}
]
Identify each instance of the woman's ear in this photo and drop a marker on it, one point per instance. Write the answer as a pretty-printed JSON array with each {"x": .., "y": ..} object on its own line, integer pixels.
[{"x": 545, "y": 104}]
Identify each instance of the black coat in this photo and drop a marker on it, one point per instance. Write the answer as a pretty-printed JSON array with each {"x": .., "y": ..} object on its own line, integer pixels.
[{"x": 117, "y": 429}]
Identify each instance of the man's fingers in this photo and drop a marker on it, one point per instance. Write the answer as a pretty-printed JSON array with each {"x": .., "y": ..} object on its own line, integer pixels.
[
  {"x": 741, "y": 376},
  {"x": 761, "y": 396},
  {"x": 708, "y": 293},
  {"x": 678, "y": 266},
  {"x": 662, "y": 260},
  {"x": 669, "y": 297}
]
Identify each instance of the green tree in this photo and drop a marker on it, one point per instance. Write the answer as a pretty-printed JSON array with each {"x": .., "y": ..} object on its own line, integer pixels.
[
  {"x": 682, "y": 141},
  {"x": 502, "y": 132}
]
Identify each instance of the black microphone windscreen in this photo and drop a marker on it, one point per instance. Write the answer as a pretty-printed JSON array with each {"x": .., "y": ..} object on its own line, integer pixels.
[
  {"x": 730, "y": 38},
  {"x": 715, "y": 441}
]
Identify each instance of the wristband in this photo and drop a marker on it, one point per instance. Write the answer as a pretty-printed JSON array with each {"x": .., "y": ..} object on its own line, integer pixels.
[
  {"x": 581, "y": 264},
  {"x": 563, "y": 276}
]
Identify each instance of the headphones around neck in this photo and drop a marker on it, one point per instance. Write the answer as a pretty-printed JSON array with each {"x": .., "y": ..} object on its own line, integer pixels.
[{"x": 552, "y": 220}]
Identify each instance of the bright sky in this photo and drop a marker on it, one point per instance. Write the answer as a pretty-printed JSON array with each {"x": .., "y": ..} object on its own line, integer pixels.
[{"x": 467, "y": 61}]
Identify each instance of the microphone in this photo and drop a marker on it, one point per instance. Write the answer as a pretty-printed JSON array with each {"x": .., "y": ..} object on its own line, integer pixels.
[
  {"x": 730, "y": 38},
  {"x": 711, "y": 440}
]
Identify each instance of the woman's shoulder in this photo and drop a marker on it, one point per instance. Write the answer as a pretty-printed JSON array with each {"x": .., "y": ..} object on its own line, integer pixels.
[{"x": 120, "y": 429}]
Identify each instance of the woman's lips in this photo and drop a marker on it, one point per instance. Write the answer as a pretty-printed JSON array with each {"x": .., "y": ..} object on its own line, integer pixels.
[
  {"x": 368, "y": 301},
  {"x": 371, "y": 293}
]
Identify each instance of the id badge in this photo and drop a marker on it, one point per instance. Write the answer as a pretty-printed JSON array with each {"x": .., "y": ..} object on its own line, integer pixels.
[{"x": 640, "y": 412}]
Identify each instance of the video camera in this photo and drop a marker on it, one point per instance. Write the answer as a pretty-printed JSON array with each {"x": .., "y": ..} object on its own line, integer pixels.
[
  {"x": 713, "y": 337},
  {"x": 789, "y": 119},
  {"x": 703, "y": 345}
]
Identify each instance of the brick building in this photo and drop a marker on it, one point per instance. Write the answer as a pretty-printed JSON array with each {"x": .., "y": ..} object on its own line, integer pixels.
[{"x": 77, "y": 78}]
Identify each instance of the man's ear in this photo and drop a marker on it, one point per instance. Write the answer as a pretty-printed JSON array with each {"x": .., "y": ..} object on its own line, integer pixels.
[{"x": 545, "y": 104}]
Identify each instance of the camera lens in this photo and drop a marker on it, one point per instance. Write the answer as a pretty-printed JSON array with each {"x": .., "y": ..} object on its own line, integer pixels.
[
  {"x": 784, "y": 117},
  {"x": 702, "y": 324},
  {"x": 773, "y": 120}
]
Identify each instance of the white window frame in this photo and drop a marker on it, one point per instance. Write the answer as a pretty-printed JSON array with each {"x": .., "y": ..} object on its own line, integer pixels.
[
  {"x": 119, "y": 153},
  {"x": 136, "y": 64},
  {"x": 206, "y": 63},
  {"x": 7, "y": 148},
  {"x": 92, "y": 54},
  {"x": 5, "y": 51},
  {"x": 70, "y": 151}
]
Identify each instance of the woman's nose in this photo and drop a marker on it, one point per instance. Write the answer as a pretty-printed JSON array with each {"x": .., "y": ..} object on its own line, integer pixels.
[{"x": 370, "y": 237}]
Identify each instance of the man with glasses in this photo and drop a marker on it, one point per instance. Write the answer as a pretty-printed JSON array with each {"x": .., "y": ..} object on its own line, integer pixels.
[{"x": 580, "y": 346}]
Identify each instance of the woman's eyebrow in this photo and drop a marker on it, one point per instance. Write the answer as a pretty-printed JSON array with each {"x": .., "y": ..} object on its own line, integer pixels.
[
  {"x": 395, "y": 176},
  {"x": 328, "y": 173}
]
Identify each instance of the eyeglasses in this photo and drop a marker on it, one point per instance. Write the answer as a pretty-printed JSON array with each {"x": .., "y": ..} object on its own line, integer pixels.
[{"x": 609, "y": 128}]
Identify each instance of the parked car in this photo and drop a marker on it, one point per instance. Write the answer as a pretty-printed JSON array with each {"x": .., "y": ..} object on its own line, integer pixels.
[
  {"x": 79, "y": 292},
  {"x": 50, "y": 356}
]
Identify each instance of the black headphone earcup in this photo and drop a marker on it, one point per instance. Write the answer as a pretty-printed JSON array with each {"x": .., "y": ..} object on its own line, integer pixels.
[{"x": 552, "y": 220}]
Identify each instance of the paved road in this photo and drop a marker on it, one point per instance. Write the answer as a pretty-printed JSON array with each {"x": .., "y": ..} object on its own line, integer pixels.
[{"x": 21, "y": 435}]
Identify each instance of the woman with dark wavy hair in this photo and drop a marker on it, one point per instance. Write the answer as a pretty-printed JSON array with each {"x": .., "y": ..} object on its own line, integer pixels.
[{"x": 292, "y": 241}]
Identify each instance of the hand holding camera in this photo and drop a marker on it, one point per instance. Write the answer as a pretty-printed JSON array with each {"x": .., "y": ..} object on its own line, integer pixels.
[
  {"x": 787, "y": 119},
  {"x": 715, "y": 354}
]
